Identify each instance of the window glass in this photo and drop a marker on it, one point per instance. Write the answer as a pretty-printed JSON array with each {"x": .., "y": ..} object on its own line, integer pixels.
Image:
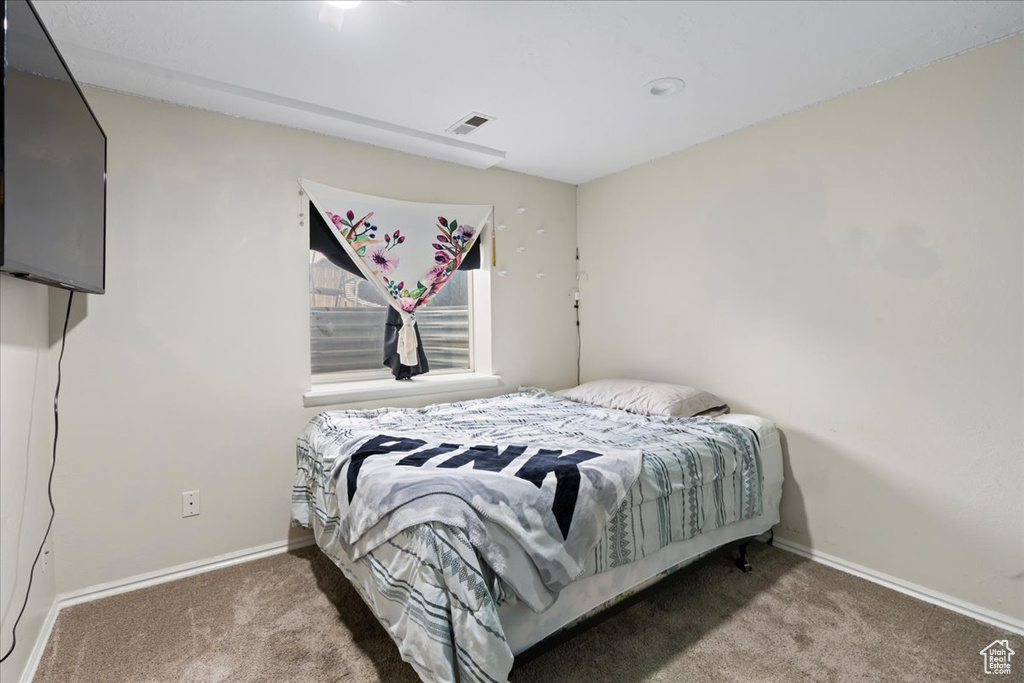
[{"x": 347, "y": 314}]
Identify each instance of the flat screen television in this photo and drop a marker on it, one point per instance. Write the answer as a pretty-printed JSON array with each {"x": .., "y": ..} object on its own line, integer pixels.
[{"x": 53, "y": 163}]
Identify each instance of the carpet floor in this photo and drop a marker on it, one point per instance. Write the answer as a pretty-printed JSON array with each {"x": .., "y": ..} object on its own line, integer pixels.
[{"x": 295, "y": 618}]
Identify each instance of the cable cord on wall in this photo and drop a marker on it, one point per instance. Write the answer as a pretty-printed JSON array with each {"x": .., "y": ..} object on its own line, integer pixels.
[
  {"x": 576, "y": 305},
  {"x": 49, "y": 484},
  {"x": 579, "y": 342}
]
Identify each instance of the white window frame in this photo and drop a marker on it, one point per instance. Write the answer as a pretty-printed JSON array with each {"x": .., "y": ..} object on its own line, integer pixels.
[{"x": 368, "y": 385}]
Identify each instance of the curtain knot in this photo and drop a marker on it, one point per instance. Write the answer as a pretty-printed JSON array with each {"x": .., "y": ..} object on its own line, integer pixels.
[{"x": 407, "y": 339}]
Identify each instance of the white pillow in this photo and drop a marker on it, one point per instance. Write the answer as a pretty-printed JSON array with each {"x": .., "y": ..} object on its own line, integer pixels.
[{"x": 647, "y": 398}]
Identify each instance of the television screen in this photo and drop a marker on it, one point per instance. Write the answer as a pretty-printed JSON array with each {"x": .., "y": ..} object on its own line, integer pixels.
[{"x": 54, "y": 158}]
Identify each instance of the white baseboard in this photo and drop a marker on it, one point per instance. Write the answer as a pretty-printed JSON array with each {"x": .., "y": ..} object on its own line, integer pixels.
[
  {"x": 1002, "y": 621},
  {"x": 181, "y": 571},
  {"x": 133, "y": 583},
  {"x": 40, "y": 645}
]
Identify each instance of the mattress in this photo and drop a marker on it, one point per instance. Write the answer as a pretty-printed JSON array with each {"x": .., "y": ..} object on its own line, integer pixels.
[{"x": 593, "y": 594}]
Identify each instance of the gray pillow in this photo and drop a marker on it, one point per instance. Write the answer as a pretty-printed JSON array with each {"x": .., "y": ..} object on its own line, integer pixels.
[{"x": 647, "y": 398}]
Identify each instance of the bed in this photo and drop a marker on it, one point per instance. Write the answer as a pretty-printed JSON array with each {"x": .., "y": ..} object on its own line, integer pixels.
[{"x": 703, "y": 483}]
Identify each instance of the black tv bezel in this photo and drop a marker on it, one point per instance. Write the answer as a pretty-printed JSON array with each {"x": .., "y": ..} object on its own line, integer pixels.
[{"x": 24, "y": 272}]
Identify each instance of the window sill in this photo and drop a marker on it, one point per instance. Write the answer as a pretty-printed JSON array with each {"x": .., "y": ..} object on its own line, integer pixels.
[{"x": 376, "y": 389}]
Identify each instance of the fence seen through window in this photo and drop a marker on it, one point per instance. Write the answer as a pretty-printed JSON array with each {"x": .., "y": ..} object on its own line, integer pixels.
[{"x": 346, "y": 317}]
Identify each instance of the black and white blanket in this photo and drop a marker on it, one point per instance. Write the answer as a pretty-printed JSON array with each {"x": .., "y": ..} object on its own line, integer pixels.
[{"x": 533, "y": 512}]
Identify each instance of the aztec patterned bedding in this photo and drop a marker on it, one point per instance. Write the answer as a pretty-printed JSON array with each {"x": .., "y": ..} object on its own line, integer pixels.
[{"x": 430, "y": 588}]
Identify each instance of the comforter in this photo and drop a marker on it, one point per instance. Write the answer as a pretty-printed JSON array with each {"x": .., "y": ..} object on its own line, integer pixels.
[{"x": 532, "y": 512}]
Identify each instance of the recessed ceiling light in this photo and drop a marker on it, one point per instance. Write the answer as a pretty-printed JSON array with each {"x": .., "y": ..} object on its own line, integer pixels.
[
  {"x": 664, "y": 87},
  {"x": 333, "y": 11}
]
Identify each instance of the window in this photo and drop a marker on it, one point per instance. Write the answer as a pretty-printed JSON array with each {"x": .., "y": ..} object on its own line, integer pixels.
[{"x": 346, "y": 318}]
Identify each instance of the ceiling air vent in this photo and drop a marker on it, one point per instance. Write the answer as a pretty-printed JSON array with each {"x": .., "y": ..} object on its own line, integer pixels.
[{"x": 468, "y": 124}]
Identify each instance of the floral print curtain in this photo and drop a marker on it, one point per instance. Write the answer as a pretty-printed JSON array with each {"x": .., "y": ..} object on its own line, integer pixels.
[{"x": 407, "y": 250}]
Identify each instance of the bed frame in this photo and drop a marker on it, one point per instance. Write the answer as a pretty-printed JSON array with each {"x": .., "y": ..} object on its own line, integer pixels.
[{"x": 739, "y": 547}]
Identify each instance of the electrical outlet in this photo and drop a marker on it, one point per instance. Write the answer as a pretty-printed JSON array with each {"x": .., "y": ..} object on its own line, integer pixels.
[{"x": 190, "y": 503}]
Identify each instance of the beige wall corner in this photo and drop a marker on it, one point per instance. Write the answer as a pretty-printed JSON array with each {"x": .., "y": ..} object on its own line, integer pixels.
[
  {"x": 26, "y": 416},
  {"x": 854, "y": 272}
]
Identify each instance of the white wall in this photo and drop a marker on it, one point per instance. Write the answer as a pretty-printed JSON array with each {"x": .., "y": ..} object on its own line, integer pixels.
[
  {"x": 189, "y": 372},
  {"x": 26, "y": 431},
  {"x": 854, "y": 272}
]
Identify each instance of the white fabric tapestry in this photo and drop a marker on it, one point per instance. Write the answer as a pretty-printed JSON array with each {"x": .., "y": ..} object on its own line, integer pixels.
[{"x": 407, "y": 250}]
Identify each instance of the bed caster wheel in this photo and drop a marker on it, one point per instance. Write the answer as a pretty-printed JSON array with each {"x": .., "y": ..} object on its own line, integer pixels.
[{"x": 744, "y": 566}]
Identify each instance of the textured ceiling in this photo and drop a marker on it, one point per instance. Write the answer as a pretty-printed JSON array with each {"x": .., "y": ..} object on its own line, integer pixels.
[{"x": 563, "y": 79}]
